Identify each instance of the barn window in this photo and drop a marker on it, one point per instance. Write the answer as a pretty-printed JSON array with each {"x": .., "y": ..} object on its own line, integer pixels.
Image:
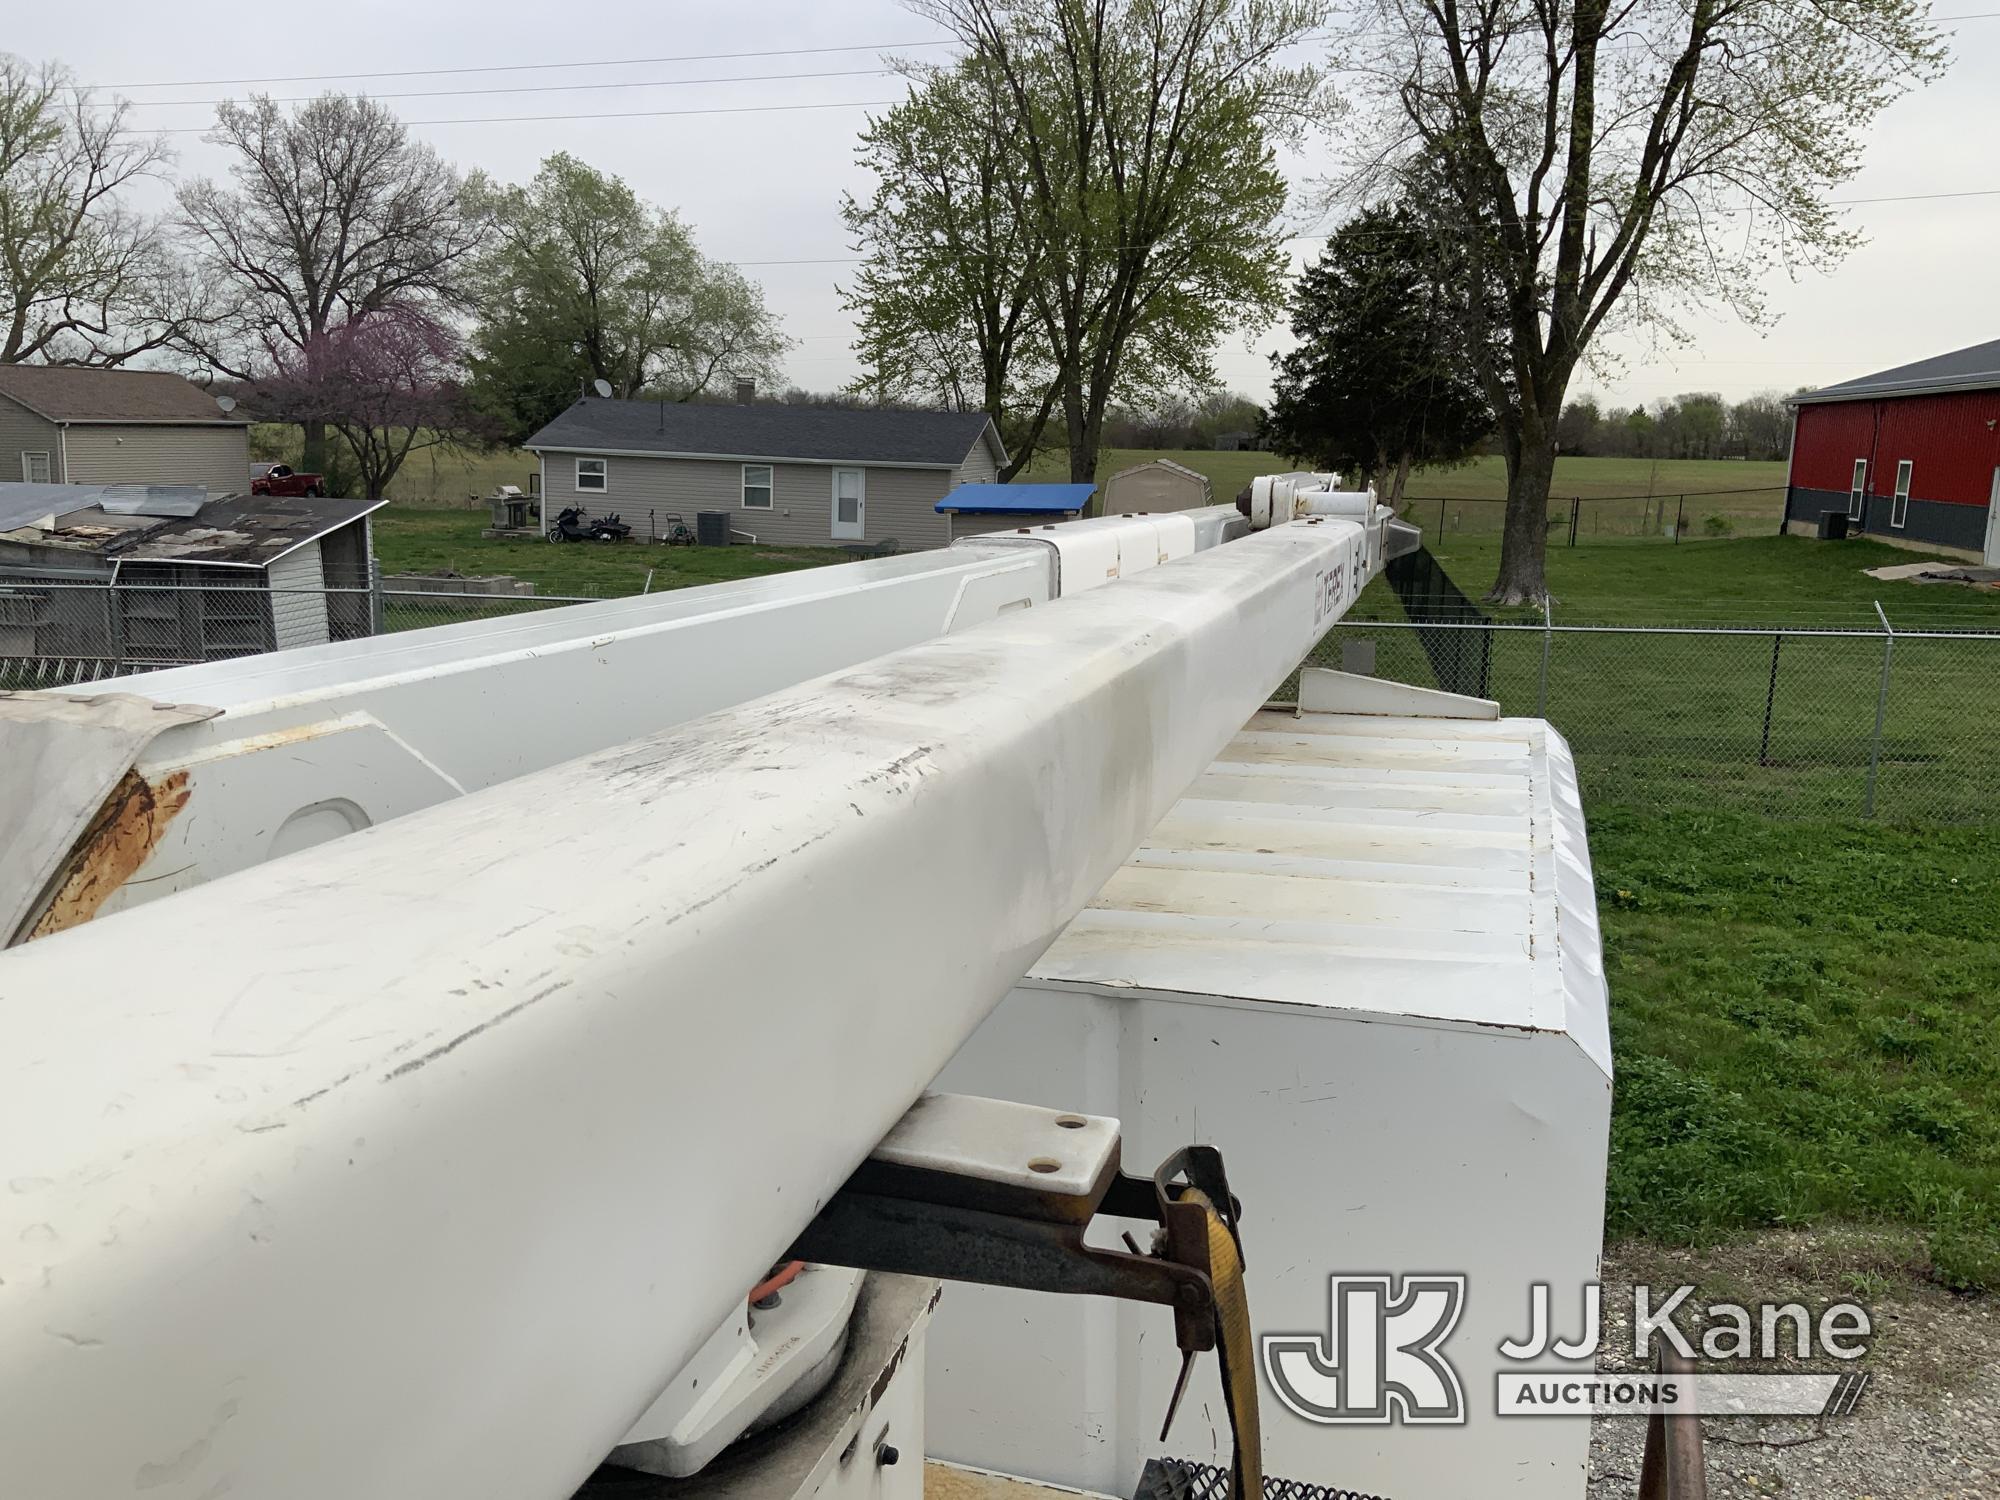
[
  {"x": 593, "y": 474},
  {"x": 1899, "y": 512},
  {"x": 756, "y": 486},
  {"x": 1857, "y": 492}
]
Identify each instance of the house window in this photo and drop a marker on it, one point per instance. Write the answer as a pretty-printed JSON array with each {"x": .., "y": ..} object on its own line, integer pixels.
[
  {"x": 756, "y": 486},
  {"x": 593, "y": 474},
  {"x": 1899, "y": 511},
  {"x": 34, "y": 468},
  {"x": 1858, "y": 491}
]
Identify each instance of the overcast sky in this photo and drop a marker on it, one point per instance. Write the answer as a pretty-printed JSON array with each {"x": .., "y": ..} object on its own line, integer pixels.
[{"x": 764, "y": 186}]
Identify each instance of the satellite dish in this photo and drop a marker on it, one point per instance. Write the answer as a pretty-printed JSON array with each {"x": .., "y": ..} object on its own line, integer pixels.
[
  {"x": 227, "y": 403},
  {"x": 602, "y": 387}
]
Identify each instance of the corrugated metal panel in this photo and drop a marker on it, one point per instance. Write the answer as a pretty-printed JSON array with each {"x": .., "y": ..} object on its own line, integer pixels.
[
  {"x": 1953, "y": 443},
  {"x": 298, "y": 598},
  {"x": 1421, "y": 868},
  {"x": 217, "y": 458}
]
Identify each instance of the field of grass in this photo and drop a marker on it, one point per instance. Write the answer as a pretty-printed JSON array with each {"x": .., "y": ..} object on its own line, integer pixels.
[
  {"x": 1802, "y": 1015},
  {"x": 1778, "y": 721},
  {"x": 1481, "y": 484},
  {"x": 1803, "y": 1000},
  {"x": 1744, "y": 580},
  {"x": 410, "y": 540}
]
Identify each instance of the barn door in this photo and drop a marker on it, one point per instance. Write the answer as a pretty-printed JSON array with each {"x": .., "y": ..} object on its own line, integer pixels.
[
  {"x": 850, "y": 504},
  {"x": 1993, "y": 523}
]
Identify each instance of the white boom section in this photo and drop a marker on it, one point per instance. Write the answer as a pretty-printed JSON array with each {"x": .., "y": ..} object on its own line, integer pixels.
[
  {"x": 416, "y": 1163},
  {"x": 314, "y": 743}
]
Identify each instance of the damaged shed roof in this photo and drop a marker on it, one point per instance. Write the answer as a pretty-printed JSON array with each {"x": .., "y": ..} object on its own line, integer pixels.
[
  {"x": 236, "y": 531},
  {"x": 244, "y": 531}
]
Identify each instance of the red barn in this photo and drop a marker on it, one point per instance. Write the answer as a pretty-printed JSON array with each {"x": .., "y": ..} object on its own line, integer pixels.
[{"x": 1911, "y": 455}]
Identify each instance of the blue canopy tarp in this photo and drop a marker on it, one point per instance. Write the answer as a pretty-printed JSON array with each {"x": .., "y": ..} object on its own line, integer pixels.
[{"x": 1017, "y": 499}]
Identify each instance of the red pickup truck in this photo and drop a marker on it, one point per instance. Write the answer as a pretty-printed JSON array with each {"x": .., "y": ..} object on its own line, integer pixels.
[{"x": 283, "y": 479}]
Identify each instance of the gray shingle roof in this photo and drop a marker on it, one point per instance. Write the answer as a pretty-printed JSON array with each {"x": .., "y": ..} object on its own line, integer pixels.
[
  {"x": 1974, "y": 368},
  {"x": 64, "y": 393},
  {"x": 822, "y": 433}
]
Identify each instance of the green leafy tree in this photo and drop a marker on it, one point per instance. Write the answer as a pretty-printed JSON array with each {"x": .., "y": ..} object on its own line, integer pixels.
[
  {"x": 944, "y": 303},
  {"x": 1378, "y": 382},
  {"x": 1133, "y": 141},
  {"x": 583, "y": 280},
  {"x": 1604, "y": 165}
]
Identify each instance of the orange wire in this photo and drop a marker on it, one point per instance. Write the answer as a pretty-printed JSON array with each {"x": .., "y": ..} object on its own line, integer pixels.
[{"x": 781, "y": 1276}]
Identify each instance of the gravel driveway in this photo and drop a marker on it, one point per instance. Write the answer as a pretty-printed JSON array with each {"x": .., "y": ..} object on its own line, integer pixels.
[{"x": 1928, "y": 1426}]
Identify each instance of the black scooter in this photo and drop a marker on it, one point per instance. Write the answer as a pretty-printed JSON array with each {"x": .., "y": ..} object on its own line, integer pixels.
[{"x": 572, "y": 525}]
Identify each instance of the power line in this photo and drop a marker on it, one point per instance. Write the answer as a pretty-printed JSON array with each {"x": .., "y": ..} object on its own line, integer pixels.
[
  {"x": 854, "y": 260},
  {"x": 544, "y": 88},
  {"x": 618, "y": 114},
  {"x": 604, "y": 62},
  {"x": 621, "y": 62}
]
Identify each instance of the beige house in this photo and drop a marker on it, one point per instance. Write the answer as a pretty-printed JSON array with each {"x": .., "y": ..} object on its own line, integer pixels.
[
  {"x": 62, "y": 425},
  {"x": 1159, "y": 485},
  {"x": 785, "y": 475}
]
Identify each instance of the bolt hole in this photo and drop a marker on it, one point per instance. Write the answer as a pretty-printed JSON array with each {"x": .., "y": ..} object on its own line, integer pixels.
[
  {"x": 1071, "y": 1122},
  {"x": 1045, "y": 1164}
]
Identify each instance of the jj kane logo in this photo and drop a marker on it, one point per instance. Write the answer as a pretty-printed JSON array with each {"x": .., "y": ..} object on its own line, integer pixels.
[{"x": 1382, "y": 1359}]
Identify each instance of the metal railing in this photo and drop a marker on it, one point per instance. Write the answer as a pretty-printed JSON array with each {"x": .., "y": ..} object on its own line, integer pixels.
[{"x": 1786, "y": 720}]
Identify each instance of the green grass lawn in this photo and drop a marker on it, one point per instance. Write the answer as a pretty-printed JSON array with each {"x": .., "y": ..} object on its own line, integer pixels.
[
  {"x": 1803, "y": 1000},
  {"x": 1803, "y": 1018},
  {"x": 1744, "y": 580},
  {"x": 410, "y": 540}
]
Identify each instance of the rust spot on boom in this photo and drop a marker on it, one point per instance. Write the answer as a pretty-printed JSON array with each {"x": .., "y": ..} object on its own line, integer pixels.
[{"x": 118, "y": 841}]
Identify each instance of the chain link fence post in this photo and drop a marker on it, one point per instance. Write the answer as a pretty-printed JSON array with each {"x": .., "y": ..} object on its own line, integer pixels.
[
  {"x": 1548, "y": 637},
  {"x": 1881, "y": 711},
  {"x": 1770, "y": 696}
]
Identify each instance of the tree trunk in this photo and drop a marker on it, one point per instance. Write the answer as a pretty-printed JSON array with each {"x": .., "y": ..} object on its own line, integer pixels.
[
  {"x": 1398, "y": 484},
  {"x": 1524, "y": 542},
  {"x": 313, "y": 459}
]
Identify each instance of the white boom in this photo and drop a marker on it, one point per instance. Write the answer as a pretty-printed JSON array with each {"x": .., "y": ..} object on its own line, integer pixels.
[
  {"x": 291, "y": 748},
  {"x": 416, "y": 1163}
]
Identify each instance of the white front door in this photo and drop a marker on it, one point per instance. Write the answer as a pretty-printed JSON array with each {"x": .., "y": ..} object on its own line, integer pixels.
[
  {"x": 1993, "y": 523},
  {"x": 34, "y": 468},
  {"x": 850, "y": 504}
]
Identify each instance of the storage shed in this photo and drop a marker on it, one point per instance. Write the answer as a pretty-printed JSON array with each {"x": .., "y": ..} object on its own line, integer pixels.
[
  {"x": 1910, "y": 455},
  {"x": 108, "y": 577},
  {"x": 1158, "y": 485},
  {"x": 975, "y": 509}
]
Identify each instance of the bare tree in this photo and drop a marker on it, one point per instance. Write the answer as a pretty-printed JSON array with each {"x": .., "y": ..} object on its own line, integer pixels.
[
  {"x": 83, "y": 279},
  {"x": 1602, "y": 163},
  {"x": 335, "y": 215}
]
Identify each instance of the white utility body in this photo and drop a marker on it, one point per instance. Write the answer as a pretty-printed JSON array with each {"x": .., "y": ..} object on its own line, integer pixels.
[{"x": 392, "y": 1128}]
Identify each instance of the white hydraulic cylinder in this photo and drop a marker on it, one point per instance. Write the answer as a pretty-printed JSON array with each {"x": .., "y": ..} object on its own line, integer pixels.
[{"x": 416, "y": 1163}]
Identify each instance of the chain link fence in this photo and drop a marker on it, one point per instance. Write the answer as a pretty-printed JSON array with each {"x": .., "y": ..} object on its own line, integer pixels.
[
  {"x": 1579, "y": 520},
  {"x": 1789, "y": 721},
  {"x": 65, "y": 633},
  {"x": 1786, "y": 721}
]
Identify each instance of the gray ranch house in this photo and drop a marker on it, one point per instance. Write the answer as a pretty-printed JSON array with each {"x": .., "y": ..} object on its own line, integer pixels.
[
  {"x": 64, "y": 425},
  {"x": 786, "y": 475}
]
